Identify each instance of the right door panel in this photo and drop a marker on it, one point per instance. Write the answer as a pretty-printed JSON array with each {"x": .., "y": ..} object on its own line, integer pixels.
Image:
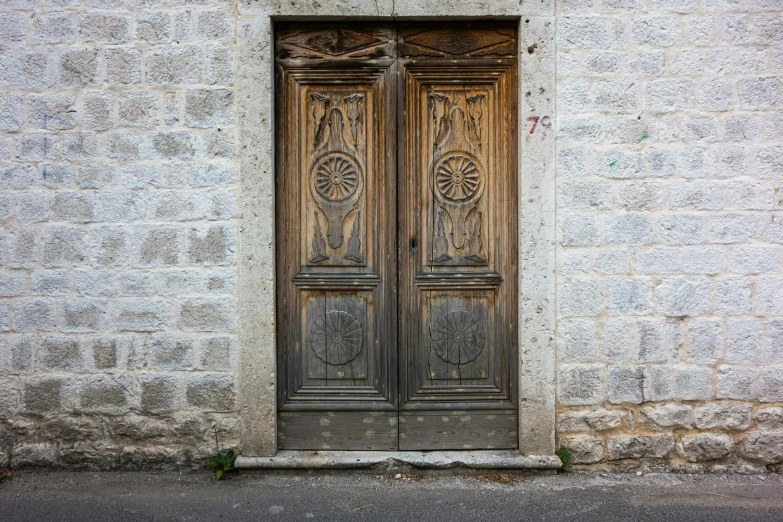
[{"x": 458, "y": 262}]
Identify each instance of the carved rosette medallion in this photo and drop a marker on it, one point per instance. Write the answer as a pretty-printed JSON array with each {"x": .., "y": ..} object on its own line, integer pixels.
[
  {"x": 457, "y": 178},
  {"x": 336, "y": 338},
  {"x": 458, "y": 337},
  {"x": 336, "y": 176}
]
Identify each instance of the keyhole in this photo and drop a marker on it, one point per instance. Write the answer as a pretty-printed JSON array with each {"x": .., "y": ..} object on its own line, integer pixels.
[{"x": 413, "y": 244}]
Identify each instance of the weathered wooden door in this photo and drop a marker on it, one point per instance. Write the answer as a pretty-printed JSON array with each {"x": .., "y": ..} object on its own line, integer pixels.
[{"x": 396, "y": 219}]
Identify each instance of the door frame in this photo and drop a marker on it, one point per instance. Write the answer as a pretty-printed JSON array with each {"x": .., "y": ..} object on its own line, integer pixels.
[{"x": 257, "y": 386}]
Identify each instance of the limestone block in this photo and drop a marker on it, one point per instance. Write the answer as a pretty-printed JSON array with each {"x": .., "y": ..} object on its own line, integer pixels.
[
  {"x": 160, "y": 393},
  {"x": 171, "y": 353},
  {"x": 723, "y": 416},
  {"x": 207, "y": 314},
  {"x": 212, "y": 244},
  {"x": 638, "y": 447},
  {"x": 104, "y": 28},
  {"x": 63, "y": 245},
  {"x": 104, "y": 395},
  {"x": 139, "y": 315},
  {"x": 123, "y": 65},
  {"x": 110, "y": 246},
  {"x": 705, "y": 446},
  {"x": 626, "y": 384},
  {"x": 138, "y": 284},
  {"x": 33, "y": 314},
  {"x": 765, "y": 447},
  {"x": 584, "y": 450},
  {"x": 587, "y": 420},
  {"x": 78, "y": 67},
  {"x": 664, "y": 417},
  {"x": 156, "y": 245},
  {"x": 213, "y": 393},
  {"x": 218, "y": 353},
  {"x": 581, "y": 384},
  {"x": 174, "y": 65},
  {"x": 82, "y": 315},
  {"x": 43, "y": 395},
  {"x": 737, "y": 382}
]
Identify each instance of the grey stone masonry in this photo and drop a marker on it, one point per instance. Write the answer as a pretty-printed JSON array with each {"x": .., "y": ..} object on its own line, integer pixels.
[
  {"x": 118, "y": 239},
  {"x": 670, "y": 222},
  {"x": 133, "y": 156}
]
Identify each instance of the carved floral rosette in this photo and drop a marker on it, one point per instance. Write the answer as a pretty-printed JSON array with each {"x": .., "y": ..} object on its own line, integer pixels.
[
  {"x": 336, "y": 338},
  {"x": 458, "y": 337}
]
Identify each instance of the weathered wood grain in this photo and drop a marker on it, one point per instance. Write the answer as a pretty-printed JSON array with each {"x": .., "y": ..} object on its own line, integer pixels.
[
  {"x": 376, "y": 152},
  {"x": 337, "y": 430},
  {"x": 457, "y": 303},
  {"x": 464, "y": 430},
  {"x": 336, "y": 204}
]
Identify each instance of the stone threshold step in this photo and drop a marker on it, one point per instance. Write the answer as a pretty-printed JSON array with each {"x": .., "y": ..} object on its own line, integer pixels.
[{"x": 497, "y": 459}]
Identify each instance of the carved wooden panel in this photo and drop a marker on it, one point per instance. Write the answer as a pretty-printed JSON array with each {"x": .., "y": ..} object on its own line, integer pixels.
[
  {"x": 458, "y": 174},
  {"x": 460, "y": 343},
  {"x": 335, "y": 207},
  {"x": 336, "y": 339},
  {"x": 335, "y": 41},
  {"x": 352, "y": 278},
  {"x": 335, "y": 129},
  {"x": 462, "y": 40},
  {"x": 458, "y": 290}
]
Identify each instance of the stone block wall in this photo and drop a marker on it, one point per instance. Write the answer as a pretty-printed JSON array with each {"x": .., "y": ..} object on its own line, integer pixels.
[
  {"x": 119, "y": 179},
  {"x": 117, "y": 232},
  {"x": 670, "y": 248}
]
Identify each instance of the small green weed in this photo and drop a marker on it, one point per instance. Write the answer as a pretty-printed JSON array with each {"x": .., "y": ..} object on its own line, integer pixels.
[
  {"x": 565, "y": 458},
  {"x": 223, "y": 462}
]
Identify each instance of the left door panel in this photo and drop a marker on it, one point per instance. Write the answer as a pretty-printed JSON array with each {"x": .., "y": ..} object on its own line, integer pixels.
[{"x": 336, "y": 237}]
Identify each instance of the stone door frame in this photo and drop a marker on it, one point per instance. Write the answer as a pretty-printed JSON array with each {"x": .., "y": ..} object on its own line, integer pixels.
[{"x": 256, "y": 201}]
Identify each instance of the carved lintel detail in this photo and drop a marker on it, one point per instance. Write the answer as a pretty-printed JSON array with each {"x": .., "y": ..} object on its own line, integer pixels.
[
  {"x": 334, "y": 42},
  {"x": 456, "y": 42},
  {"x": 354, "y": 243},
  {"x": 354, "y": 112},
  {"x": 319, "y": 244}
]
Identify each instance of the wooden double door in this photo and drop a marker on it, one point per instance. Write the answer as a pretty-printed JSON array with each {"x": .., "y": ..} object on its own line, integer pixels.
[{"x": 396, "y": 236}]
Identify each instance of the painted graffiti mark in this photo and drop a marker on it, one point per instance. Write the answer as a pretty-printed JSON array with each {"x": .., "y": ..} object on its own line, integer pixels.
[{"x": 544, "y": 123}]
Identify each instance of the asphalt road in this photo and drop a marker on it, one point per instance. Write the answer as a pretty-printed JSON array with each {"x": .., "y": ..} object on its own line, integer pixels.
[{"x": 128, "y": 496}]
